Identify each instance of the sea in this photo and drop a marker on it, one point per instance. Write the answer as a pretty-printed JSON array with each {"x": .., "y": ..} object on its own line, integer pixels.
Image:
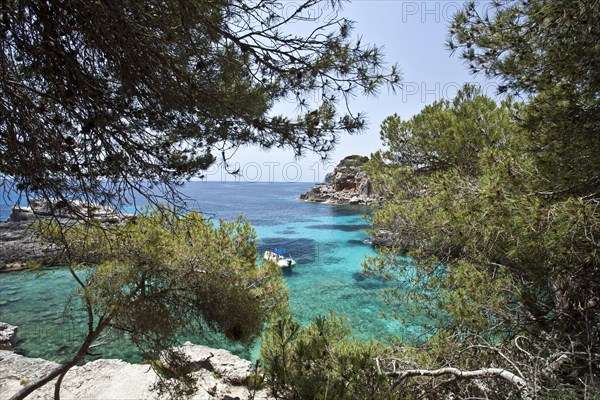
[{"x": 328, "y": 242}]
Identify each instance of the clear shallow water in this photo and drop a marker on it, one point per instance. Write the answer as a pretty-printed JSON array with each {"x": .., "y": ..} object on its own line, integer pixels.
[{"x": 326, "y": 241}]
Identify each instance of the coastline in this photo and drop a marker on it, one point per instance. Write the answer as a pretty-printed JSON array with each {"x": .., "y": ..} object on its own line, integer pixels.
[
  {"x": 328, "y": 257},
  {"x": 20, "y": 245}
]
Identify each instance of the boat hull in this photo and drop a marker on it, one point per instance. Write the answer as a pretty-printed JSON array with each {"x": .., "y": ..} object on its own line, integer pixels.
[
  {"x": 285, "y": 263},
  {"x": 281, "y": 260}
]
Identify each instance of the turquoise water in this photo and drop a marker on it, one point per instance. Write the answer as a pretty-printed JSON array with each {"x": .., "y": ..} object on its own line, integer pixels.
[{"x": 326, "y": 241}]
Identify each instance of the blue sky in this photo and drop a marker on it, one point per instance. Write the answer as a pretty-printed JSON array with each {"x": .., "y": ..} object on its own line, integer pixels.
[{"x": 413, "y": 34}]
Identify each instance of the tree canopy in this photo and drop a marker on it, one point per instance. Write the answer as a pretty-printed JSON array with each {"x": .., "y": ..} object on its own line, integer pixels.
[
  {"x": 159, "y": 278},
  {"x": 498, "y": 202},
  {"x": 547, "y": 51},
  {"x": 496, "y": 258},
  {"x": 103, "y": 99}
]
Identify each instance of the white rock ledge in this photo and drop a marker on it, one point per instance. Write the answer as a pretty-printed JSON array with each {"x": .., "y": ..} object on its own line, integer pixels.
[
  {"x": 8, "y": 336},
  {"x": 119, "y": 380}
]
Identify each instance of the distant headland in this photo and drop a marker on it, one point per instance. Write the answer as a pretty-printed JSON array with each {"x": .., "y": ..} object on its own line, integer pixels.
[{"x": 348, "y": 184}]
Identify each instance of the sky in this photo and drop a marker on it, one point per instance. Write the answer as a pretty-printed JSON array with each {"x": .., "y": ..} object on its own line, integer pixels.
[{"x": 413, "y": 35}]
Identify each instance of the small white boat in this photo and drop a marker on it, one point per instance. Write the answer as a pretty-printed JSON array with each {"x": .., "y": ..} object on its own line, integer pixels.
[{"x": 283, "y": 258}]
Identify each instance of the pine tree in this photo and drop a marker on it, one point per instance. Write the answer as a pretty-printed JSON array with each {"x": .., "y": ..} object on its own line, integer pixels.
[
  {"x": 160, "y": 276},
  {"x": 102, "y": 100}
]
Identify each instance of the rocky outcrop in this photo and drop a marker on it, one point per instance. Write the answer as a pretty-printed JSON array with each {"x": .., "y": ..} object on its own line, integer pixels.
[
  {"x": 229, "y": 367},
  {"x": 19, "y": 243},
  {"x": 347, "y": 184},
  {"x": 8, "y": 336},
  {"x": 116, "y": 379},
  {"x": 73, "y": 210}
]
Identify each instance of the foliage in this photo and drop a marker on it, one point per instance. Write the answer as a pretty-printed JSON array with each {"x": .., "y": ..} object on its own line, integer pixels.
[
  {"x": 430, "y": 175},
  {"x": 549, "y": 50},
  {"x": 320, "y": 361},
  {"x": 100, "y": 100},
  {"x": 353, "y": 161},
  {"x": 176, "y": 268},
  {"x": 160, "y": 276},
  {"x": 494, "y": 254},
  {"x": 497, "y": 204}
]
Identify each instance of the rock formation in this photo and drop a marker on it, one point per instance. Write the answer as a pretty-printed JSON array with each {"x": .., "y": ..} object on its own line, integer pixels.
[
  {"x": 229, "y": 367},
  {"x": 383, "y": 238},
  {"x": 8, "y": 336},
  {"x": 73, "y": 210},
  {"x": 220, "y": 376},
  {"x": 18, "y": 242},
  {"x": 347, "y": 184},
  {"x": 20, "y": 245}
]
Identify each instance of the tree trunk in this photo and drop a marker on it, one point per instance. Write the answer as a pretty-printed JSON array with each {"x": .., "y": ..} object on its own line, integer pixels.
[
  {"x": 63, "y": 369},
  {"x": 57, "y": 385},
  {"x": 27, "y": 390}
]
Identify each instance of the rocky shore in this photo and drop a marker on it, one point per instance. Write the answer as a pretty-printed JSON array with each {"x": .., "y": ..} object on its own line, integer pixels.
[
  {"x": 8, "y": 336},
  {"x": 19, "y": 243},
  {"x": 219, "y": 374},
  {"x": 348, "y": 184}
]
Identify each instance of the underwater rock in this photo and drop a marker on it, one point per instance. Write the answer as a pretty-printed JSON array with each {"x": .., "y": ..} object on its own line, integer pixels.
[
  {"x": 347, "y": 184},
  {"x": 382, "y": 238},
  {"x": 385, "y": 238},
  {"x": 8, "y": 336}
]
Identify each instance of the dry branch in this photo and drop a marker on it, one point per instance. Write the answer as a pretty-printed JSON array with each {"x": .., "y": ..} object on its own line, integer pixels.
[{"x": 519, "y": 382}]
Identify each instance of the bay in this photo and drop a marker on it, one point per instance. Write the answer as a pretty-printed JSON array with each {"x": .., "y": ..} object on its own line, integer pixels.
[{"x": 328, "y": 242}]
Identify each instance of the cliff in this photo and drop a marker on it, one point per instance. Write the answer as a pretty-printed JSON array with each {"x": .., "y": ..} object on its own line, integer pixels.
[{"x": 347, "y": 184}]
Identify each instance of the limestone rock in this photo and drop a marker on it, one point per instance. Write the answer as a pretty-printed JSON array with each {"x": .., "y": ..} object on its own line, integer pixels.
[
  {"x": 8, "y": 336},
  {"x": 354, "y": 200},
  {"x": 230, "y": 367},
  {"x": 347, "y": 184},
  {"x": 43, "y": 209},
  {"x": 119, "y": 380},
  {"x": 363, "y": 185},
  {"x": 19, "y": 243}
]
